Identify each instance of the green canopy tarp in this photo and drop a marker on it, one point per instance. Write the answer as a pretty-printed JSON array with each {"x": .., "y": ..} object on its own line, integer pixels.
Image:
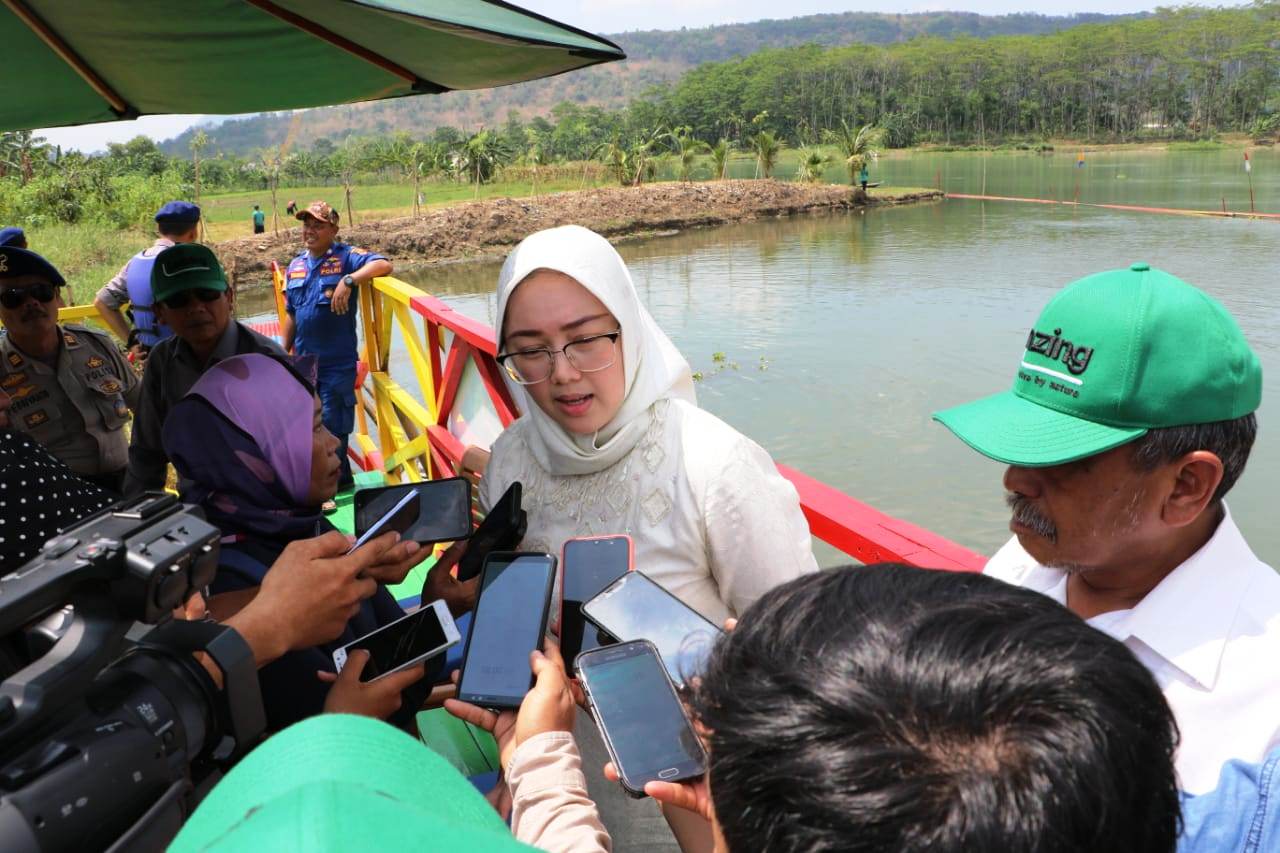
[{"x": 67, "y": 63}]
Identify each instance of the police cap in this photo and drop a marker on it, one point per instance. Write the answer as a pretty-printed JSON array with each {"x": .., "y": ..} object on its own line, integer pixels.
[
  {"x": 13, "y": 236},
  {"x": 16, "y": 262},
  {"x": 178, "y": 213}
]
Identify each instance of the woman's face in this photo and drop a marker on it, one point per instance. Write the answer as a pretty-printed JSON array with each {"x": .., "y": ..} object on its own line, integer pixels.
[
  {"x": 325, "y": 467},
  {"x": 546, "y": 311}
]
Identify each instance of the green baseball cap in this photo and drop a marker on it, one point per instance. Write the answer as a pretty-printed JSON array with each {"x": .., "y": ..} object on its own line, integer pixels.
[
  {"x": 1112, "y": 356},
  {"x": 336, "y": 782},
  {"x": 185, "y": 266}
]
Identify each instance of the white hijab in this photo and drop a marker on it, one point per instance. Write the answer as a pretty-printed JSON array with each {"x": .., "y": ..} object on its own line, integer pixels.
[{"x": 653, "y": 367}]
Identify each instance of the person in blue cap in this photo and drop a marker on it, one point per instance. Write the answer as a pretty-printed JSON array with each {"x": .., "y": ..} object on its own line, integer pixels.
[
  {"x": 320, "y": 301},
  {"x": 13, "y": 236},
  {"x": 71, "y": 389},
  {"x": 177, "y": 222}
]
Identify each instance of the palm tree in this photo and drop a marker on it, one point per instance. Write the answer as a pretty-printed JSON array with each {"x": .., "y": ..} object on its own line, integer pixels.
[
  {"x": 812, "y": 165},
  {"x": 686, "y": 150},
  {"x": 857, "y": 147},
  {"x": 538, "y": 154},
  {"x": 720, "y": 153},
  {"x": 766, "y": 146},
  {"x": 19, "y": 151},
  {"x": 616, "y": 158}
]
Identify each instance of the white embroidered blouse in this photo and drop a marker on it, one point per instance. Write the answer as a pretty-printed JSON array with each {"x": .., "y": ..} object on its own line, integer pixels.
[{"x": 712, "y": 519}]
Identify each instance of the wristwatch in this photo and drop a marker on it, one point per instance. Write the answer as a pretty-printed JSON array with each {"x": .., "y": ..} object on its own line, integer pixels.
[{"x": 349, "y": 281}]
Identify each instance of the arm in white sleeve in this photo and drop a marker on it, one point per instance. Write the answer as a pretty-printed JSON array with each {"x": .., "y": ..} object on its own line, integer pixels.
[{"x": 757, "y": 536}]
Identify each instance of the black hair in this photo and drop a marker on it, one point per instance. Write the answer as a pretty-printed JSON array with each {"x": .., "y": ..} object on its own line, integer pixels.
[
  {"x": 175, "y": 229},
  {"x": 1230, "y": 441},
  {"x": 892, "y": 708}
]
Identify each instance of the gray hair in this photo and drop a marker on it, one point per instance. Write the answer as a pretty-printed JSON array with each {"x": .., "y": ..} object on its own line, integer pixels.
[{"x": 1230, "y": 441}]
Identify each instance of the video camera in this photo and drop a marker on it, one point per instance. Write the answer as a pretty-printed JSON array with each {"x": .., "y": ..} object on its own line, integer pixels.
[{"x": 107, "y": 744}]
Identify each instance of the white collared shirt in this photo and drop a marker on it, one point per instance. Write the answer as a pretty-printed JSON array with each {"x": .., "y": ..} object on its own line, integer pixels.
[{"x": 1209, "y": 633}]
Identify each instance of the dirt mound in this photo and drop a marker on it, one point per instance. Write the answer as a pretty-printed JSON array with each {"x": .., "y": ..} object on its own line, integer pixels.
[{"x": 489, "y": 227}]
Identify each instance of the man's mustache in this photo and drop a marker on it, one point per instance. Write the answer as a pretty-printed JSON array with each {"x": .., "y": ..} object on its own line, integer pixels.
[{"x": 1026, "y": 514}]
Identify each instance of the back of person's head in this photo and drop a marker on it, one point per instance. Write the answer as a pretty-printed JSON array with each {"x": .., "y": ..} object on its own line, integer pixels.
[{"x": 892, "y": 708}]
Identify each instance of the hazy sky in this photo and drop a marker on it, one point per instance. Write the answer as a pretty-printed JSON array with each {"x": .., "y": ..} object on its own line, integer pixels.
[{"x": 614, "y": 16}]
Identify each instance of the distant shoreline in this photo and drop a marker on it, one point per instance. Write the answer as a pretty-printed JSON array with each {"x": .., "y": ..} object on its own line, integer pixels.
[{"x": 485, "y": 229}]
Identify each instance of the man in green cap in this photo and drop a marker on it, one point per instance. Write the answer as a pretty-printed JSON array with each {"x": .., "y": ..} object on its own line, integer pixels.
[
  {"x": 190, "y": 292},
  {"x": 1130, "y": 418}
]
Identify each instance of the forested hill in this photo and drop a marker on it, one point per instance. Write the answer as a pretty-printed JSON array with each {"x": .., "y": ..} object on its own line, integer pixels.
[{"x": 654, "y": 57}]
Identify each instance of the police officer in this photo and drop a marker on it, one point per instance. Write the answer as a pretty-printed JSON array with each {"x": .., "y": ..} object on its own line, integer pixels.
[
  {"x": 320, "y": 321},
  {"x": 177, "y": 222},
  {"x": 70, "y": 387},
  {"x": 193, "y": 298}
]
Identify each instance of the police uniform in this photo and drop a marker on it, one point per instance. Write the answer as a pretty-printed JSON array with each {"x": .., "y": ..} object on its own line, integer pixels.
[
  {"x": 309, "y": 287},
  {"x": 77, "y": 407},
  {"x": 133, "y": 285}
]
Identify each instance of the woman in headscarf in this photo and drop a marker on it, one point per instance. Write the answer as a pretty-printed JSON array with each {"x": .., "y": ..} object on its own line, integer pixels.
[
  {"x": 611, "y": 439},
  {"x": 248, "y": 444}
]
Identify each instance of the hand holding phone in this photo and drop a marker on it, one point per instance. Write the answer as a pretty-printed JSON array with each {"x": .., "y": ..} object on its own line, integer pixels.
[
  {"x": 412, "y": 639},
  {"x": 444, "y": 509},
  {"x": 640, "y": 717}
]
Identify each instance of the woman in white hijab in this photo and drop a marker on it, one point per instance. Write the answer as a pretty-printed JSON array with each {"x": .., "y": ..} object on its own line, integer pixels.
[{"x": 611, "y": 439}]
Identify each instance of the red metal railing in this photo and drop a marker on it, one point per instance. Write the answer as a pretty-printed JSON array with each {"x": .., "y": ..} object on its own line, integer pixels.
[{"x": 853, "y": 527}]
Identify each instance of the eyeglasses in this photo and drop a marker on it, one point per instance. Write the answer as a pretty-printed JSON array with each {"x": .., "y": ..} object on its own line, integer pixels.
[
  {"x": 587, "y": 355},
  {"x": 14, "y": 297},
  {"x": 182, "y": 298}
]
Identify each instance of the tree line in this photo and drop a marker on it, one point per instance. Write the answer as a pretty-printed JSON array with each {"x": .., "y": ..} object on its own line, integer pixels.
[{"x": 1177, "y": 74}]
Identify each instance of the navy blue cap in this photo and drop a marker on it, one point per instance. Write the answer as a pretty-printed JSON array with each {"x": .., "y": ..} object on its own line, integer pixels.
[
  {"x": 13, "y": 235},
  {"x": 16, "y": 262},
  {"x": 178, "y": 213}
]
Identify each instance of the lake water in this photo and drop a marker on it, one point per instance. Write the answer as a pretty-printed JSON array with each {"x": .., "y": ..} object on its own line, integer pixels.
[{"x": 841, "y": 333}]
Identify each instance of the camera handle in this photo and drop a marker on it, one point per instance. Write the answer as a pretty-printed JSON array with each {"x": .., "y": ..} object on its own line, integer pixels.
[{"x": 49, "y": 684}]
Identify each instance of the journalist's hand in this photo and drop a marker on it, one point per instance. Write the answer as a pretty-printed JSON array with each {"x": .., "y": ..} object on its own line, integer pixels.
[
  {"x": 381, "y": 698},
  {"x": 460, "y": 596},
  {"x": 309, "y": 594},
  {"x": 397, "y": 562}
]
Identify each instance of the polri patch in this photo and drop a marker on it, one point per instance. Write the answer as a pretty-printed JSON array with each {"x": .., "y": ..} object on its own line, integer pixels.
[
  {"x": 111, "y": 387},
  {"x": 15, "y": 359},
  {"x": 94, "y": 362},
  {"x": 13, "y": 380},
  {"x": 35, "y": 419},
  {"x": 70, "y": 339}
]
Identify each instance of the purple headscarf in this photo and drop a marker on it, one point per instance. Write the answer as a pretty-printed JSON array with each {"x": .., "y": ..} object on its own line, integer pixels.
[{"x": 242, "y": 441}]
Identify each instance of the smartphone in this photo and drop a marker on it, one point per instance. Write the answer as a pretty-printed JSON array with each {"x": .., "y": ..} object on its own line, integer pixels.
[
  {"x": 635, "y": 607},
  {"x": 509, "y": 622},
  {"x": 444, "y": 509},
  {"x": 501, "y": 530},
  {"x": 640, "y": 717},
  {"x": 587, "y": 565},
  {"x": 400, "y": 517},
  {"x": 426, "y": 632}
]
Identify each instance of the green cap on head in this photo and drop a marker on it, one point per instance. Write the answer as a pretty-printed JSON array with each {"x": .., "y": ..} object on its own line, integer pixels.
[
  {"x": 336, "y": 782},
  {"x": 1112, "y": 356},
  {"x": 186, "y": 266}
]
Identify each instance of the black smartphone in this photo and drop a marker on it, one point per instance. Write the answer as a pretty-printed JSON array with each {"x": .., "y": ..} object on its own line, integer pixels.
[
  {"x": 399, "y": 516},
  {"x": 501, "y": 530},
  {"x": 640, "y": 717},
  {"x": 444, "y": 509},
  {"x": 635, "y": 607},
  {"x": 509, "y": 622},
  {"x": 422, "y": 634},
  {"x": 587, "y": 565}
]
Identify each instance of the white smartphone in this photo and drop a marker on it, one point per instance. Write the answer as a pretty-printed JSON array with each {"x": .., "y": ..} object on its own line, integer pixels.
[
  {"x": 399, "y": 518},
  {"x": 422, "y": 634}
]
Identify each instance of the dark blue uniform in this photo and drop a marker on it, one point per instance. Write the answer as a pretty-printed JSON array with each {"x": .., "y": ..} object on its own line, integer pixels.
[{"x": 331, "y": 338}]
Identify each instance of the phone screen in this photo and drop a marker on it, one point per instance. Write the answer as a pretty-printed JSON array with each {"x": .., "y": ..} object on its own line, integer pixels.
[
  {"x": 590, "y": 565},
  {"x": 444, "y": 509},
  {"x": 640, "y": 715},
  {"x": 635, "y": 607},
  {"x": 398, "y": 517},
  {"x": 508, "y": 623},
  {"x": 418, "y": 635},
  {"x": 501, "y": 530}
]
